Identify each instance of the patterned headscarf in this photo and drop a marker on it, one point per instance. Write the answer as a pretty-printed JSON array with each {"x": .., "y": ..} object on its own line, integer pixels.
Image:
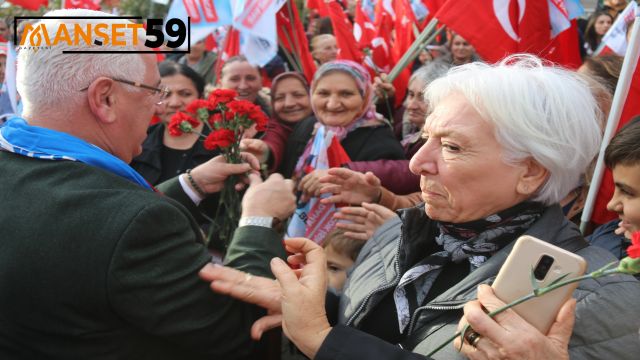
[
  {"x": 276, "y": 82},
  {"x": 363, "y": 81}
]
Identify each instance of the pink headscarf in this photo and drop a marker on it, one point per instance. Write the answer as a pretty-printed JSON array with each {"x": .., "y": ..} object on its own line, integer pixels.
[{"x": 363, "y": 81}]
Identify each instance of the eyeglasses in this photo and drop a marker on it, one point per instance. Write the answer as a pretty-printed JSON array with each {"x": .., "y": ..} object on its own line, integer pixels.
[{"x": 162, "y": 93}]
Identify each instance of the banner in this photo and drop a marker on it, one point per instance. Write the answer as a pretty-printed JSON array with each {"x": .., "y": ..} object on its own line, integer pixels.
[{"x": 206, "y": 16}]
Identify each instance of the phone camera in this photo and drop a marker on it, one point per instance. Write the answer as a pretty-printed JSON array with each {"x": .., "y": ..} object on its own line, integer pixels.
[{"x": 542, "y": 267}]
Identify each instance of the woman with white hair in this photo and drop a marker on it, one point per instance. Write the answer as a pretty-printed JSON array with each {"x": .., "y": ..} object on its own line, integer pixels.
[{"x": 504, "y": 144}]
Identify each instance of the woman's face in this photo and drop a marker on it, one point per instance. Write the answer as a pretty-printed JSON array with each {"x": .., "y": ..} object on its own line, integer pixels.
[
  {"x": 462, "y": 173},
  {"x": 336, "y": 99},
  {"x": 326, "y": 50},
  {"x": 290, "y": 100},
  {"x": 243, "y": 78},
  {"x": 415, "y": 106},
  {"x": 602, "y": 24},
  {"x": 424, "y": 56},
  {"x": 626, "y": 197},
  {"x": 461, "y": 50},
  {"x": 183, "y": 91}
]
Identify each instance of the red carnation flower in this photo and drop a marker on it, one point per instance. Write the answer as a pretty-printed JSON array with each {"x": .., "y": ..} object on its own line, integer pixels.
[
  {"x": 634, "y": 250},
  {"x": 222, "y": 138},
  {"x": 260, "y": 119},
  {"x": 182, "y": 123},
  {"x": 221, "y": 96},
  {"x": 199, "y": 104},
  {"x": 241, "y": 107}
]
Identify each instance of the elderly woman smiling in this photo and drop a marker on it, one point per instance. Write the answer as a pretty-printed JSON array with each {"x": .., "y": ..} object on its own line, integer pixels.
[{"x": 504, "y": 144}]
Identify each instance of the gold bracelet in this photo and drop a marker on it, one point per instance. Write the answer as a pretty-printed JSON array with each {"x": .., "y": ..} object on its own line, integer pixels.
[{"x": 194, "y": 185}]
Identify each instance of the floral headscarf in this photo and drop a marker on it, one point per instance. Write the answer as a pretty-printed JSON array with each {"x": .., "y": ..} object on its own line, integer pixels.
[
  {"x": 365, "y": 88},
  {"x": 276, "y": 81}
]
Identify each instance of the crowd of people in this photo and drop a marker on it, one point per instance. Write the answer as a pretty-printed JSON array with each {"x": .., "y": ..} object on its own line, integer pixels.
[{"x": 104, "y": 253}]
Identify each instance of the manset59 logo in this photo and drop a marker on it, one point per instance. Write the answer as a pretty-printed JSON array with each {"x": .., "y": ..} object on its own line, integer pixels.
[{"x": 39, "y": 36}]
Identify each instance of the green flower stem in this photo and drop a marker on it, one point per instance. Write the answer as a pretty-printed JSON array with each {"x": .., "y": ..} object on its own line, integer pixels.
[{"x": 604, "y": 271}]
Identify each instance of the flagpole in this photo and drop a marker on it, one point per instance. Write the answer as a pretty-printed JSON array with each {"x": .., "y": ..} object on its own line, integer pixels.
[
  {"x": 411, "y": 53},
  {"x": 621, "y": 93},
  {"x": 296, "y": 45}
]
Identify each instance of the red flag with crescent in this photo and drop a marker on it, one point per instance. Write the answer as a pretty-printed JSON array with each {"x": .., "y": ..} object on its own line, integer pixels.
[{"x": 497, "y": 28}]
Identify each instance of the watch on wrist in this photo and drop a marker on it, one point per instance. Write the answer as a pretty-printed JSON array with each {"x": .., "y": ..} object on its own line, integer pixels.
[{"x": 263, "y": 221}]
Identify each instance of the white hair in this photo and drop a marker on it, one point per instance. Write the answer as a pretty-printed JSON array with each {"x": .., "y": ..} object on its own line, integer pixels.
[
  {"x": 540, "y": 112},
  {"x": 430, "y": 71},
  {"x": 47, "y": 78}
]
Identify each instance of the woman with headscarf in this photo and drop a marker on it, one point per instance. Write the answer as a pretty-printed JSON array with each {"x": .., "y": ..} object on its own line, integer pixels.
[
  {"x": 504, "y": 144},
  {"x": 342, "y": 101},
  {"x": 291, "y": 106},
  {"x": 348, "y": 129},
  {"x": 363, "y": 135}
]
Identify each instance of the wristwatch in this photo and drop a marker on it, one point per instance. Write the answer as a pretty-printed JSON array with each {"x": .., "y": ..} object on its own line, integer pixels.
[{"x": 263, "y": 221}]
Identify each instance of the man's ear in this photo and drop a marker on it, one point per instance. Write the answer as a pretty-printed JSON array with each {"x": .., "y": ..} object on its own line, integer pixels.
[
  {"x": 533, "y": 176},
  {"x": 101, "y": 97}
]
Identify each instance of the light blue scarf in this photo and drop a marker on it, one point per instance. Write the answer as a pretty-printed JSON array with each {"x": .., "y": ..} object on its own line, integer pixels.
[{"x": 18, "y": 137}]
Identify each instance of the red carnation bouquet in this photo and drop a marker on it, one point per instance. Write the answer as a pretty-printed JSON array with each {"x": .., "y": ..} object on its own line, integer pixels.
[{"x": 227, "y": 119}]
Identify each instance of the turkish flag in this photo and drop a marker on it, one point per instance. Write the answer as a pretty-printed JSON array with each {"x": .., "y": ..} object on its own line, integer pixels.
[
  {"x": 81, "y": 4},
  {"x": 565, "y": 48},
  {"x": 231, "y": 47},
  {"x": 319, "y": 6},
  {"x": 343, "y": 31},
  {"x": 381, "y": 56},
  {"x": 363, "y": 29},
  {"x": 630, "y": 110},
  {"x": 497, "y": 28},
  {"x": 405, "y": 20},
  {"x": 30, "y": 4},
  {"x": 210, "y": 42},
  {"x": 293, "y": 38}
]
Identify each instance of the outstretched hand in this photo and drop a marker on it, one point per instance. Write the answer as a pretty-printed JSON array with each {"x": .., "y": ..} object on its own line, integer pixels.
[
  {"x": 295, "y": 300},
  {"x": 273, "y": 197},
  {"x": 350, "y": 187},
  {"x": 257, "y": 147},
  {"x": 210, "y": 176},
  {"x": 362, "y": 221}
]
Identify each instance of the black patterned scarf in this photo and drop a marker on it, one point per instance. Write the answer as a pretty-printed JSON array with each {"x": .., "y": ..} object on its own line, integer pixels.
[{"x": 474, "y": 240}]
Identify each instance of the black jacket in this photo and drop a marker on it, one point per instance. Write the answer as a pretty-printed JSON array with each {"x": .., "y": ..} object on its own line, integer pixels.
[
  {"x": 362, "y": 144},
  {"x": 149, "y": 162}
]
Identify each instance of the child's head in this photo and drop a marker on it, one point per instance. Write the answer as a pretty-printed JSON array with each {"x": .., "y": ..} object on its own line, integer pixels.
[
  {"x": 341, "y": 252},
  {"x": 623, "y": 158}
]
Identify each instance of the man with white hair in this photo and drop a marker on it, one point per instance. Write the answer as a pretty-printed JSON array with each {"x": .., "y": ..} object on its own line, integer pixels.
[{"x": 93, "y": 262}]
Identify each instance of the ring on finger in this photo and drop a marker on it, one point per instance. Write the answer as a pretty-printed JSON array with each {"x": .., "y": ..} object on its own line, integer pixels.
[{"x": 472, "y": 338}]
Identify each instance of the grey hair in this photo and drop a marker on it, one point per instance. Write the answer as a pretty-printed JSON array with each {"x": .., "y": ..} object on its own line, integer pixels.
[
  {"x": 429, "y": 72},
  {"x": 540, "y": 112},
  {"x": 47, "y": 78}
]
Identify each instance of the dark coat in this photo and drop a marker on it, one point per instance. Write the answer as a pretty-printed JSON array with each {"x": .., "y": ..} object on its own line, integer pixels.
[
  {"x": 149, "y": 162},
  {"x": 93, "y": 266},
  {"x": 361, "y": 144}
]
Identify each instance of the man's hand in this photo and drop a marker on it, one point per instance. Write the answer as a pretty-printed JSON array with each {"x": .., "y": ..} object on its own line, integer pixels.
[
  {"x": 256, "y": 290},
  {"x": 350, "y": 187},
  {"x": 304, "y": 319},
  {"x": 508, "y": 336},
  {"x": 211, "y": 175},
  {"x": 362, "y": 221},
  {"x": 295, "y": 300},
  {"x": 257, "y": 147},
  {"x": 274, "y": 197}
]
